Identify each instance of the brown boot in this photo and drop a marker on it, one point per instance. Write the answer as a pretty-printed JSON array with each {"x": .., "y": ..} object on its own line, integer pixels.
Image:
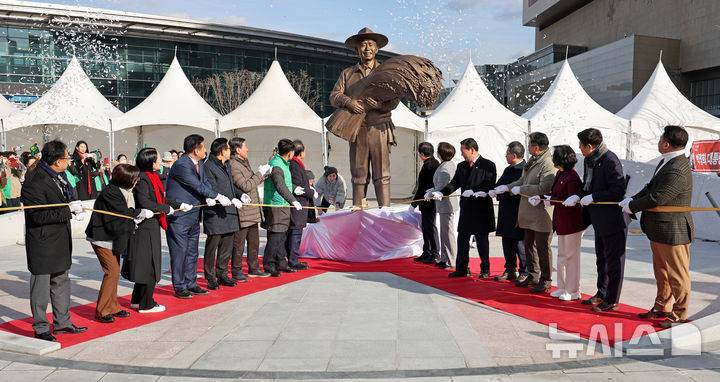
[
  {"x": 382, "y": 193},
  {"x": 358, "y": 194}
]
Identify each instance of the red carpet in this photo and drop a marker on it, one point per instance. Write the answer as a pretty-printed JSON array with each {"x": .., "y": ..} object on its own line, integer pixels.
[{"x": 569, "y": 316}]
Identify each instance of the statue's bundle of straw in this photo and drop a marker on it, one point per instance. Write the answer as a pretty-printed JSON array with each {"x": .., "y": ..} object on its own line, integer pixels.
[{"x": 405, "y": 76}]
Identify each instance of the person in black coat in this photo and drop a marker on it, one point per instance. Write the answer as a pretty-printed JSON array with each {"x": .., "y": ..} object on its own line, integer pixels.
[
  {"x": 143, "y": 263},
  {"x": 304, "y": 193},
  {"x": 475, "y": 176},
  {"x": 603, "y": 181},
  {"x": 110, "y": 236},
  {"x": 427, "y": 207},
  {"x": 83, "y": 167},
  {"x": 508, "y": 206},
  {"x": 48, "y": 240},
  {"x": 220, "y": 223}
]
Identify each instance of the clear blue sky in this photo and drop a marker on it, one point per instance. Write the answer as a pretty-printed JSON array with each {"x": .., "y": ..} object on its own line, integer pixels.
[{"x": 446, "y": 31}]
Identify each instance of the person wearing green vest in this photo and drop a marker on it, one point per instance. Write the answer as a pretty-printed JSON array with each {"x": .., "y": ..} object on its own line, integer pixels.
[{"x": 277, "y": 219}]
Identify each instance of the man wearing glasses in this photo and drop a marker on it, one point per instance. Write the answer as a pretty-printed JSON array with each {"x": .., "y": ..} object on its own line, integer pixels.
[{"x": 48, "y": 240}]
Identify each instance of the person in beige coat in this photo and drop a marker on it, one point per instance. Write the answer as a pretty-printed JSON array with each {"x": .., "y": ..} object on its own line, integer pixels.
[
  {"x": 537, "y": 179},
  {"x": 247, "y": 180}
]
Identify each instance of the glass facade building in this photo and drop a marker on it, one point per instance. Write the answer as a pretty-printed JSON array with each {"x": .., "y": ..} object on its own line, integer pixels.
[{"x": 126, "y": 63}]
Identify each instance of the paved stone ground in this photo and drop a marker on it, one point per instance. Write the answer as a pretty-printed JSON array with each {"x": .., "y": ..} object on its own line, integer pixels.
[{"x": 355, "y": 326}]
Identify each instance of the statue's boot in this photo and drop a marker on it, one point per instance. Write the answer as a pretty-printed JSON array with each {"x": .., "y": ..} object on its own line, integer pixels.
[
  {"x": 382, "y": 193},
  {"x": 358, "y": 194}
]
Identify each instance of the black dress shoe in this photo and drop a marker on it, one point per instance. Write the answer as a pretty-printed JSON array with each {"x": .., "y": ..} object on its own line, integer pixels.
[
  {"x": 258, "y": 273},
  {"x": 197, "y": 290},
  {"x": 654, "y": 314},
  {"x": 224, "y": 281},
  {"x": 442, "y": 265},
  {"x": 212, "y": 285},
  {"x": 274, "y": 273},
  {"x": 287, "y": 270},
  {"x": 299, "y": 267},
  {"x": 122, "y": 314},
  {"x": 523, "y": 281},
  {"x": 594, "y": 300},
  {"x": 422, "y": 258},
  {"x": 428, "y": 260},
  {"x": 72, "y": 329},
  {"x": 459, "y": 274},
  {"x": 105, "y": 319},
  {"x": 512, "y": 276},
  {"x": 483, "y": 275},
  {"x": 604, "y": 307},
  {"x": 670, "y": 322},
  {"x": 541, "y": 287},
  {"x": 506, "y": 276},
  {"x": 184, "y": 294},
  {"x": 46, "y": 336}
]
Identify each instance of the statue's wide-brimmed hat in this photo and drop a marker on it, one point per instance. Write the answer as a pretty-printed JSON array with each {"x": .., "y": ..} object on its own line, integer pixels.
[{"x": 366, "y": 34}]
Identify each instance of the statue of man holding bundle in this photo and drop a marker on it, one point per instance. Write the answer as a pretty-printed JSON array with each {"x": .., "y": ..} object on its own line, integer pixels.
[{"x": 370, "y": 144}]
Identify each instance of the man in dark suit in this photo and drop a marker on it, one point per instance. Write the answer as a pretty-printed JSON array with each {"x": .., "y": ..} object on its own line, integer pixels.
[
  {"x": 508, "y": 206},
  {"x": 48, "y": 242},
  {"x": 427, "y": 207},
  {"x": 187, "y": 183},
  {"x": 304, "y": 193},
  {"x": 670, "y": 233},
  {"x": 475, "y": 176},
  {"x": 603, "y": 181}
]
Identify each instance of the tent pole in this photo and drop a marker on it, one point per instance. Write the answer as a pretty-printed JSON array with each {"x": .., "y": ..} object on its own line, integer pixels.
[
  {"x": 323, "y": 137},
  {"x": 217, "y": 128},
  {"x": 425, "y": 137},
  {"x": 527, "y": 138},
  {"x": 629, "y": 142},
  {"x": 2, "y": 136},
  {"x": 111, "y": 138}
]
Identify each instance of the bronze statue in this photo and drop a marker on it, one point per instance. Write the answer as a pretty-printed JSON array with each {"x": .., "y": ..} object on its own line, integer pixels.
[{"x": 365, "y": 95}]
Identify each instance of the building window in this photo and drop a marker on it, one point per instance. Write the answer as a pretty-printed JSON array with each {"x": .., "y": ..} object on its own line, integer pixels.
[{"x": 705, "y": 94}]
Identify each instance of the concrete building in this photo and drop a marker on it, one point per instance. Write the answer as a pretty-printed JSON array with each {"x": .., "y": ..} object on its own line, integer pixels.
[{"x": 614, "y": 45}]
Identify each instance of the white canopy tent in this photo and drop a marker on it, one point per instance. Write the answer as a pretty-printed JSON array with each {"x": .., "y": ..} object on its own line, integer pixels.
[
  {"x": 272, "y": 112},
  {"x": 6, "y": 108},
  {"x": 566, "y": 109},
  {"x": 71, "y": 110},
  {"x": 658, "y": 104},
  {"x": 173, "y": 110},
  {"x": 471, "y": 111}
]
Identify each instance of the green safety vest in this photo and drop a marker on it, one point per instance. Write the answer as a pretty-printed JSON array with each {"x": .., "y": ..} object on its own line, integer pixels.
[{"x": 271, "y": 195}]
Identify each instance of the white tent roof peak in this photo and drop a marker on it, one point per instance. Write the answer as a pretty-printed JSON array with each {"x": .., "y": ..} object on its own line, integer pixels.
[
  {"x": 273, "y": 103},
  {"x": 405, "y": 118},
  {"x": 173, "y": 102},
  {"x": 471, "y": 103},
  {"x": 72, "y": 100},
  {"x": 660, "y": 102},
  {"x": 566, "y": 109}
]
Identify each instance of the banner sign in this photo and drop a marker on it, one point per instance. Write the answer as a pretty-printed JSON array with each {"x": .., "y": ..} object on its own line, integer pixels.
[{"x": 705, "y": 156}]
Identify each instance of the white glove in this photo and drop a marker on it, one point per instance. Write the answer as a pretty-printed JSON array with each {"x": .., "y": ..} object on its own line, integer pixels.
[
  {"x": 625, "y": 202},
  {"x": 236, "y": 202},
  {"x": 492, "y": 194},
  {"x": 299, "y": 190},
  {"x": 210, "y": 202},
  {"x": 534, "y": 200},
  {"x": 184, "y": 207},
  {"x": 76, "y": 207},
  {"x": 245, "y": 198},
  {"x": 172, "y": 211},
  {"x": 264, "y": 169},
  {"x": 437, "y": 195},
  {"x": 627, "y": 210},
  {"x": 515, "y": 190},
  {"x": 297, "y": 205},
  {"x": 223, "y": 200},
  {"x": 547, "y": 201},
  {"x": 315, "y": 193},
  {"x": 480, "y": 194},
  {"x": 428, "y": 195},
  {"x": 571, "y": 201},
  {"x": 411, "y": 208},
  {"x": 79, "y": 216},
  {"x": 467, "y": 193},
  {"x": 145, "y": 214},
  {"x": 501, "y": 189},
  {"x": 586, "y": 200}
]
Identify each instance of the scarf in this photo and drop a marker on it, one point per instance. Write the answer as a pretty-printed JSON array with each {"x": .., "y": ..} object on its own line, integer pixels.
[
  {"x": 590, "y": 163},
  {"x": 299, "y": 161},
  {"x": 129, "y": 197},
  {"x": 59, "y": 179},
  {"x": 159, "y": 194}
]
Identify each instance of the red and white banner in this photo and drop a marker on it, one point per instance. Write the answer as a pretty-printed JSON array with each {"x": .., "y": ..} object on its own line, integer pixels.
[{"x": 705, "y": 156}]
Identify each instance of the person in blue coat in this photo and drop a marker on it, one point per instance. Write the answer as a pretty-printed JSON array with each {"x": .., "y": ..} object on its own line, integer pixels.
[{"x": 186, "y": 183}]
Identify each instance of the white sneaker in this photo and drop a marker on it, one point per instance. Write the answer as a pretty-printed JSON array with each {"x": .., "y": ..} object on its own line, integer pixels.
[
  {"x": 135, "y": 306},
  {"x": 156, "y": 309},
  {"x": 557, "y": 293},
  {"x": 569, "y": 296}
]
